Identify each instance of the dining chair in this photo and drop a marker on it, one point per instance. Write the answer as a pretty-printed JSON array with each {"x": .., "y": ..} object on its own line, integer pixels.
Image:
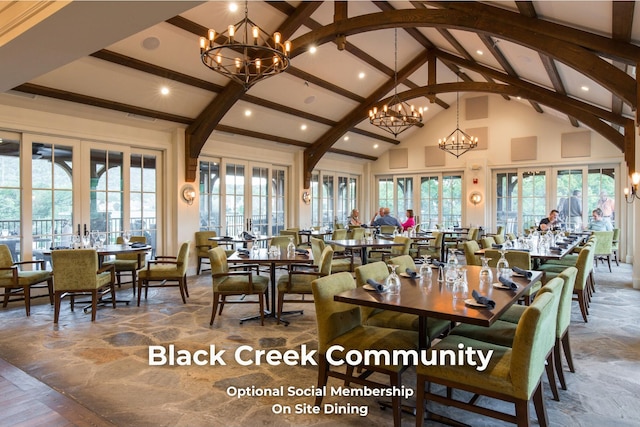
[
  {"x": 470, "y": 249},
  {"x": 228, "y": 282},
  {"x": 378, "y": 271},
  {"x": 165, "y": 269},
  {"x": 615, "y": 245},
  {"x": 403, "y": 262},
  {"x": 513, "y": 373},
  {"x": 388, "y": 229},
  {"x": 203, "y": 244},
  {"x": 340, "y": 324},
  {"x": 339, "y": 234},
  {"x": 339, "y": 263},
  {"x": 515, "y": 258},
  {"x": 433, "y": 247},
  {"x": 294, "y": 234},
  {"x": 128, "y": 263},
  {"x": 20, "y": 283},
  {"x": 487, "y": 242},
  {"x": 76, "y": 272},
  {"x": 298, "y": 281},
  {"x": 604, "y": 247},
  {"x": 384, "y": 254}
]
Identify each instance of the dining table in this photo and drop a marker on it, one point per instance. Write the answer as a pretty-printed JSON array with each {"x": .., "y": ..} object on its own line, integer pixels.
[
  {"x": 319, "y": 234},
  {"x": 265, "y": 257},
  {"x": 233, "y": 240},
  {"x": 364, "y": 244},
  {"x": 538, "y": 255},
  {"x": 435, "y": 299}
]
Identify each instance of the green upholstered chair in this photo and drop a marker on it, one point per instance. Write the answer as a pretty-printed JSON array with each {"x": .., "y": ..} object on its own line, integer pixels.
[
  {"x": 403, "y": 262},
  {"x": 281, "y": 241},
  {"x": 604, "y": 247},
  {"x": 388, "y": 229},
  {"x": 432, "y": 248},
  {"x": 16, "y": 282},
  {"x": 295, "y": 235},
  {"x": 339, "y": 263},
  {"x": 203, "y": 244},
  {"x": 298, "y": 282},
  {"x": 499, "y": 238},
  {"x": 166, "y": 269},
  {"x": 227, "y": 282},
  {"x": 379, "y": 271},
  {"x": 503, "y": 332},
  {"x": 487, "y": 242},
  {"x": 128, "y": 263},
  {"x": 355, "y": 233},
  {"x": 470, "y": 248},
  {"x": 520, "y": 259},
  {"x": 340, "y": 324},
  {"x": 76, "y": 272},
  {"x": 615, "y": 245},
  {"x": 338, "y": 234},
  {"x": 513, "y": 373},
  {"x": 384, "y": 254}
]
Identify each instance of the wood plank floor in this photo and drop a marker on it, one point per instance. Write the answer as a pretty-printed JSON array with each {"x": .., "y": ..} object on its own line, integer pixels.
[{"x": 27, "y": 402}]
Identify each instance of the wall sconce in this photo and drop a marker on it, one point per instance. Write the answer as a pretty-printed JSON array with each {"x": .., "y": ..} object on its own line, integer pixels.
[
  {"x": 188, "y": 194},
  {"x": 306, "y": 197},
  {"x": 475, "y": 198},
  {"x": 635, "y": 180}
]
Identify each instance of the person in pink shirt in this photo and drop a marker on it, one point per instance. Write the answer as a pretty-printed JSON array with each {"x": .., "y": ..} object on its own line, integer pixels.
[{"x": 410, "y": 222}]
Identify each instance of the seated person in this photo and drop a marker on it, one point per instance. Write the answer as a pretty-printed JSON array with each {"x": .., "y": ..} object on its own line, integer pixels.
[
  {"x": 386, "y": 219},
  {"x": 377, "y": 215},
  {"x": 598, "y": 223},
  {"x": 354, "y": 218},
  {"x": 552, "y": 222},
  {"x": 410, "y": 222}
]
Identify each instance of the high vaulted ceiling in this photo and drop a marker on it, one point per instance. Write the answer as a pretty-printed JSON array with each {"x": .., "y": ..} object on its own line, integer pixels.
[{"x": 572, "y": 59}]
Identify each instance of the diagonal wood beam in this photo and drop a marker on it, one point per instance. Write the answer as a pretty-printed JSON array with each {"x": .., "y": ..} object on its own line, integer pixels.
[
  {"x": 621, "y": 27},
  {"x": 315, "y": 152}
]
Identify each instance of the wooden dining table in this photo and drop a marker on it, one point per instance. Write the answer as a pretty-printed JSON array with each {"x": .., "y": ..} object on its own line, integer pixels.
[
  {"x": 364, "y": 244},
  {"x": 433, "y": 299},
  {"x": 262, "y": 257}
]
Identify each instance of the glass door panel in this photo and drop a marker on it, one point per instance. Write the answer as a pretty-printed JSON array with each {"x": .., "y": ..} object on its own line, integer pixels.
[
  {"x": 569, "y": 197},
  {"x": 259, "y": 220},
  {"x": 278, "y": 199},
  {"x": 210, "y": 196},
  {"x": 234, "y": 198},
  {"x": 10, "y": 202},
  {"x": 106, "y": 192},
  {"x": 429, "y": 198},
  {"x": 141, "y": 215}
]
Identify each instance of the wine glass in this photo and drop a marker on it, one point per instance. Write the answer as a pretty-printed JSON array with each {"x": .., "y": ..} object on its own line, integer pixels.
[
  {"x": 486, "y": 275},
  {"x": 126, "y": 236},
  {"x": 86, "y": 241},
  {"x": 76, "y": 241},
  {"x": 94, "y": 237},
  {"x": 393, "y": 281},
  {"x": 102, "y": 237},
  {"x": 503, "y": 265},
  {"x": 425, "y": 269}
]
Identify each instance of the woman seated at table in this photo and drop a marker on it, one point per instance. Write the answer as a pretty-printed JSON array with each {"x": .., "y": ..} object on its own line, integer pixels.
[
  {"x": 354, "y": 218},
  {"x": 598, "y": 223},
  {"x": 552, "y": 222},
  {"x": 410, "y": 222}
]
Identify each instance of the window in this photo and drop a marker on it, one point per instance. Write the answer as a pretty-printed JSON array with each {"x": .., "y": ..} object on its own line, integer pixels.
[
  {"x": 385, "y": 193},
  {"x": 327, "y": 201},
  {"x": 520, "y": 194},
  {"x": 452, "y": 200},
  {"x": 142, "y": 195},
  {"x": 569, "y": 197},
  {"x": 330, "y": 205},
  {"x": 210, "y": 196},
  {"x": 404, "y": 196},
  {"x": 429, "y": 201},
  {"x": 278, "y": 184},
  {"x": 601, "y": 185},
  {"x": 10, "y": 212}
]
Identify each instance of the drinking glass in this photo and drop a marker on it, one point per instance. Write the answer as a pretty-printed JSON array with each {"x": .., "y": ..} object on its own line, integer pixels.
[
  {"x": 102, "y": 237},
  {"x": 126, "y": 236},
  {"x": 425, "y": 270},
  {"x": 486, "y": 275},
  {"x": 86, "y": 241},
  {"x": 393, "y": 281},
  {"x": 503, "y": 265}
]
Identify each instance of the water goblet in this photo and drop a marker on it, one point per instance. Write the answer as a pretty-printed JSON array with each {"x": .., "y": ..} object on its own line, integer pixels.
[
  {"x": 393, "y": 281},
  {"x": 126, "y": 236}
]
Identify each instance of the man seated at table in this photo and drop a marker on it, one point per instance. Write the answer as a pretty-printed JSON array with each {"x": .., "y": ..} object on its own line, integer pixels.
[
  {"x": 386, "y": 219},
  {"x": 598, "y": 223},
  {"x": 552, "y": 222},
  {"x": 354, "y": 218},
  {"x": 377, "y": 215}
]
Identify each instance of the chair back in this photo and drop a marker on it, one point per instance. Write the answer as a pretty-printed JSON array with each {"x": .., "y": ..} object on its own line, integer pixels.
[
  {"x": 520, "y": 259},
  {"x": 324, "y": 265},
  {"x": 339, "y": 234},
  {"x": 317, "y": 246},
  {"x": 333, "y": 318},
  {"x": 470, "y": 248},
  {"x": 500, "y": 231},
  {"x": 584, "y": 264},
  {"x": 564, "y": 308},
  {"x": 183, "y": 257},
  {"x": 403, "y": 262},
  {"x": 356, "y": 233},
  {"x": 74, "y": 269},
  {"x": 388, "y": 229},
  {"x": 292, "y": 233},
  {"x": 473, "y": 233},
  {"x": 616, "y": 238},
  {"x": 282, "y": 242},
  {"x": 487, "y": 242},
  {"x": 404, "y": 249},
  {"x": 436, "y": 242},
  {"x": 6, "y": 260},
  {"x": 533, "y": 340},
  {"x": 338, "y": 226},
  {"x": 219, "y": 264},
  {"x": 377, "y": 271},
  {"x": 604, "y": 242},
  {"x": 133, "y": 239},
  {"x": 203, "y": 244},
  {"x": 499, "y": 238}
]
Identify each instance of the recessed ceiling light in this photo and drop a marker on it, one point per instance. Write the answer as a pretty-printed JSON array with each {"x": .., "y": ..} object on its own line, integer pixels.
[
  {"x": 151, "y": 43},
  {"x": 518, "y": 97},
  {"x": 375, "y": 145},
  {"x": 585, "y": 88},
  {"x": 479, "y": 52},
  {"x": 247, "y": 113},
  {"x": 303, "y": 127},
  {"x": 310, "y": 99},
  {"x": 346, "y": 138},
  {"x": 313, "y": 49},
  {"x": 361, "y": 75},
  {"x": 233, "y": 7},
  {"x": 164, "y": 90}
]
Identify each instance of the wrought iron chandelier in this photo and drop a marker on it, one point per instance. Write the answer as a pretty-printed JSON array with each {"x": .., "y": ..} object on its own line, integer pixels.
[
  {"x": 458, "y": 142},
  {"x": 396, "y": 116},
  {"x": 245, "y": 52}
]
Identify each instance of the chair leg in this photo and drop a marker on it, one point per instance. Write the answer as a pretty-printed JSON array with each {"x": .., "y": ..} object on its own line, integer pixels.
[
  {"x": 549, "y": 367},
  {"x": 27, "y": 299},
  {"x": 280, "y": 305},
  {"x": 609, "y": 262},
  {"x": 139, "y": 289},
  {"x": 181, "y": 286},
  {"x": 323, "y": 376},
  {"x": 6, "y": 297},
  {"x": 395, "y": 381},
  {"x": 262, "y": 311},
  {"x": 567, "y": 350},
  {"x": 216, "y": 296},
  {"x": 558, "y": 363},
  {"x": 56, "y": 307},
  {"x": 538, "y": 403},
  {"x": 420, "y": 403},
  {"x": 113, "y": 295},
  {"x": 199, "y": 265},
  {"x": 94, "y": 304},
  {"x": 186, "y": 288},
  {"x": 134, "y": 281},
  {"x": 583, "y": 305},
  {"x": 222, "y": 301},
  {"x": 50, "y": 288},
  {"x": 522, "y": 411},
  {"x": 615, "y": 258}
]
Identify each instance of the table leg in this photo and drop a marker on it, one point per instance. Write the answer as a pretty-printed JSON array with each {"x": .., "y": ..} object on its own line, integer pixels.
[{"x": 269, "y": 313}]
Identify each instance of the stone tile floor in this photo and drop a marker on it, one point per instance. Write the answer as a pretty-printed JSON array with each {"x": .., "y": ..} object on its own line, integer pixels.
[{"x": 104, "y": 365}]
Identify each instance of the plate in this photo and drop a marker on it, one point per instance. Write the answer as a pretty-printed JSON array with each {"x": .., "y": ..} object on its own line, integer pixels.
[
  {"x": 473, "y": 303},
  {"x": 500, "y": 286},
  {"x": 368, "y": 287},
  {"x": 407, "y": 275}
]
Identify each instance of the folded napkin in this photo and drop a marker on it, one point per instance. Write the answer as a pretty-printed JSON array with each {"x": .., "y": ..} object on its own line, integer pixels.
[
  {"x": 138, "y": 245},
  {"x": 508, "y": 283},
  {"x": 243, "y": 251},
  {"x": 525, "y": 273},
  {"x": 496, "y": 246},
  {"x": 412, "y": 274},
  {"x": 437, "y": 263},
  {"x": 555, "y": 249},
  {"x": 522, "y": 249},
  {"x": 379, "y": 287},
  {"x": 483, "y": 300},
  {"x": 226, "y": 237},
  {"x": 59, "y": 247},
  {"x": 302, "y": 252}
]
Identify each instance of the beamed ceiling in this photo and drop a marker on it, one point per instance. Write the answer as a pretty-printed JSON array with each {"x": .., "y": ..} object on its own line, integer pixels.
[{"x": 575, "y": 60}]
